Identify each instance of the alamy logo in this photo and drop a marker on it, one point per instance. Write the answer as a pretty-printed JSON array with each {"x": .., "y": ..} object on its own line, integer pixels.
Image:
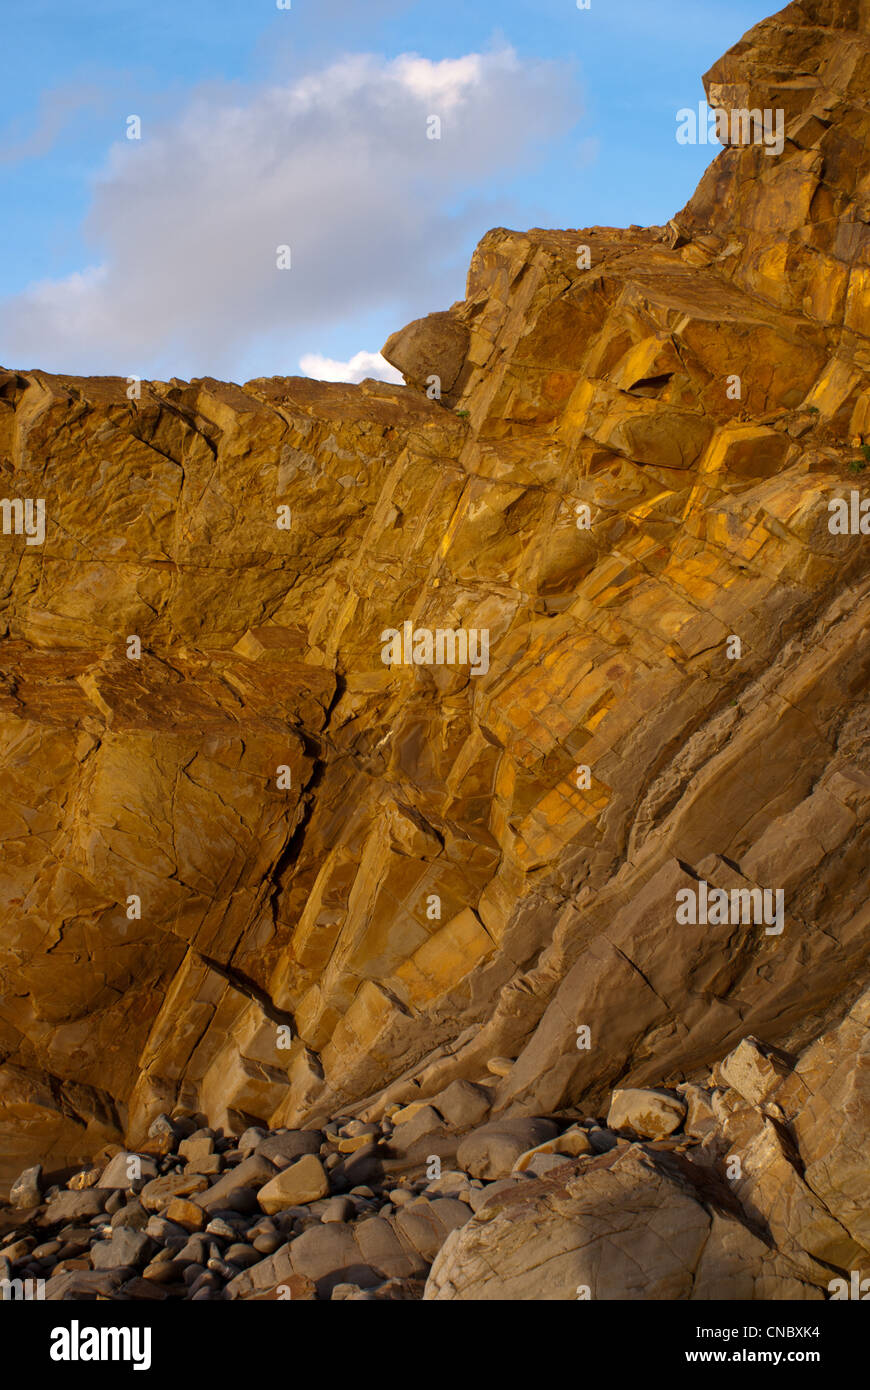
[
  {"x": 19, "y": 517},
  {"x": 856, "y": 1288},
  {"x": 849, "y": 518},
  {"x": 717, "y": 907},
  {"x": 25, "y": 1289},
  {"x": 75, "y": 1343},
  {"x": 443, "y": 647},
  {"x": 710, "y": 124}
]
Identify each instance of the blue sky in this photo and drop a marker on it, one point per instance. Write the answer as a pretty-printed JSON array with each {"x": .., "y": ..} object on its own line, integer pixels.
[{"x": 307, "y": 127}]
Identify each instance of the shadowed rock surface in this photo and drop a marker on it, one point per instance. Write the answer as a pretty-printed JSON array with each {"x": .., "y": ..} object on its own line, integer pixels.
[
  {"x": 433, "y": 890},
  {"x": 756, "y": 1193}
]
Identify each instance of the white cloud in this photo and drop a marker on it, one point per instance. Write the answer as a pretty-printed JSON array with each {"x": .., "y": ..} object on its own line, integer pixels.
[
  {"x": 356, "y": 369},
  {"x": 186, "y": 222},
  {"x": 446, "y": 82}
]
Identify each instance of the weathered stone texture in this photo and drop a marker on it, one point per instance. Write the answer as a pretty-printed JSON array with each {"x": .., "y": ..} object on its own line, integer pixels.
[{"x": 306, "y": 907}]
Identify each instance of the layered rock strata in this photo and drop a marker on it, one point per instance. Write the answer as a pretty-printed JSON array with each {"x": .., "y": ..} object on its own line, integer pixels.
[{"x": 258, "y": 872}]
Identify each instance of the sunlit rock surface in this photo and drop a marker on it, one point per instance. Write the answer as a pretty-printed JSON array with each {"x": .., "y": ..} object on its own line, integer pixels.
[{"x": 359, "y": 882}]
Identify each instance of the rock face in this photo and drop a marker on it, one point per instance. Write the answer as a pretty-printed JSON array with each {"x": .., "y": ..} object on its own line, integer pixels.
[
  {"x": 745, "y": 1199},
  {"x": 765, "y": 1207},
  {"x": 630, "y": 1225},
  {"x": 355, "y": 746}
]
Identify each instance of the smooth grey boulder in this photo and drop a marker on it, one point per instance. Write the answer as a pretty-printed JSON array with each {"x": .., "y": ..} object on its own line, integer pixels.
[
  {"x": 237, "y": 1188},
  {"x": 365, "y": 1165},
  {"x": 463, "y": 1104},
  {"x": 75, "y": 1206},
  {"x": 126, "y": 1248},
  {"x": 492, "y": 1150},
  {"x": 133, "y": 1215},
  {"x": 337, "y": 1209},
  {"x": 426, "y": 1225},
  {"x": 283, "y": 1148},
  {"x": 248, "y": 1142},
  {"x": 263, "y": 1277},
  {"x": 329, "y": 1255},
  {"x": 116, "y": 1174},
  {"x": 406, "y": 1135}
]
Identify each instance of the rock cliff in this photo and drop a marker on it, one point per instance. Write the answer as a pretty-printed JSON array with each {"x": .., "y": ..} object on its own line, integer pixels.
[{"x": 275, "y": 862}]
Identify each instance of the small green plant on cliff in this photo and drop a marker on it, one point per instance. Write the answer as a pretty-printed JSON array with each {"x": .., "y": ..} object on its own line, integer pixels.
[{"x": 858, "y": 465}]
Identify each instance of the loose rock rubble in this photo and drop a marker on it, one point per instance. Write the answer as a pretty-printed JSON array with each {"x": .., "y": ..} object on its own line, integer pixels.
[
  {"x": 758, "y": 1191},
  {"x": 645, "y": 1204}
]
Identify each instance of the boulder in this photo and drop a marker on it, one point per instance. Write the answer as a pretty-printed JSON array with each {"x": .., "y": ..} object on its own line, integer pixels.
[
  {"x": 649, "y": 1114},
  {"x": 365, "y": 1165},
  {"x": 432, "y": 346},
  {"x": 426, "y": 1224},
  {"x": 303, "y": 1181},
  {"x": 26, "y": 1189},
  {"x": 403, "y": 1114},
  {"x": 186, "y": 1214},
  {"x": 492, "y": 1150},
  {"x": 131, "y": 1214},
  {"x": 410, "y": 1128},
  {"x": 463, "y": 1104},
  {"x": 452, "y": 1183},
  {"x": 629, "y": 1227},
  {"x": 120, "y": 1172},
  {"x": 330, "y": 1255},
  {"x": 700, "y": 1116},
  {"x": 755, "y": 1070},
  {"x": 281, "y": 1149},
  {"x": 337, "y": 1209},
  {"x": 196, "y": 1148},
  {"x": 250, "y": 1140},
  {"x": 74, "y": 1206},
  {"x": 237, "y": 1188},
  {"x": 86, "y": 1177},
  {"x": 158, "y": 1193},
  {"x": 85, "y": 1284},
  {"x": 571, "y": 1144},
  {"x": 125, "y": 1248}
]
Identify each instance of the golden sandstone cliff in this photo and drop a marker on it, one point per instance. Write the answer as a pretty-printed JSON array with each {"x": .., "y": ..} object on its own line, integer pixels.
[{"x": 258, "y": 873}]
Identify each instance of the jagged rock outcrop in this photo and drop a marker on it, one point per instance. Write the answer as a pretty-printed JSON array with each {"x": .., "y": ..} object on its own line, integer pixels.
[
  {"x": 761, "y": 1198},
  {"x": 628, "y": 1225},
  {"x": 260, "y": 872}
]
